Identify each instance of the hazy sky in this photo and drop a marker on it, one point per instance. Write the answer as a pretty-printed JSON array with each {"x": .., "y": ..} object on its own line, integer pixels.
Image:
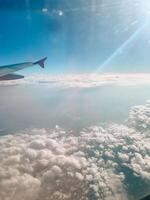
[{"x": 77, "y": 36}]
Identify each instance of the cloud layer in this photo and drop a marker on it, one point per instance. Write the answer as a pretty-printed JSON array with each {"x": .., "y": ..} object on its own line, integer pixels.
[
  {"x": 60, "y": 165},
  {"x": 82, "y": 80}
]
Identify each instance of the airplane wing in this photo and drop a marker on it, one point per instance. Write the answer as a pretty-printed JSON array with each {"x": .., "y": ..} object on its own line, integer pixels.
[{"x": 6, "y": 72}]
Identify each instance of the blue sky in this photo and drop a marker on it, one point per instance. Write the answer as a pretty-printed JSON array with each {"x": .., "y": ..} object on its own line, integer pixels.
[{"x": 76, "y": 36}]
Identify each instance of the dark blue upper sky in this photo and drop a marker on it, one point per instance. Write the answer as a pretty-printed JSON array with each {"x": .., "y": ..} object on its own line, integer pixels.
[{"x": 77, "y": 36}]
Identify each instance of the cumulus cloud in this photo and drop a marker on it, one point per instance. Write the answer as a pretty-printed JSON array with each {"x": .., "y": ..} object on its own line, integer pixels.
[
  {"x": 56, "y": 164},
  {"x": 139, "y": 116},
  {"x": 53, "y": 164},
  {"x": 82, "y": 80}
]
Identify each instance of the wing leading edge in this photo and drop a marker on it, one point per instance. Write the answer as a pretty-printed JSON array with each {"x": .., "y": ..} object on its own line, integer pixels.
[{"x": 6, "y": 71}]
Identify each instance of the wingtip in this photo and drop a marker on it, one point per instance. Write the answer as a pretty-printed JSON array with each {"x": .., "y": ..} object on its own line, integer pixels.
[{"x": 41, "y": 62}]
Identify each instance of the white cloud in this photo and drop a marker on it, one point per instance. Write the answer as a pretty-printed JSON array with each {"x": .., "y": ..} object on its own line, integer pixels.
[
  {"x": 54, "y": 164},
  {"x": 82, "y": 80},
  {"x": 139, "y": 116},
  {"x": 69, "y": 173}
]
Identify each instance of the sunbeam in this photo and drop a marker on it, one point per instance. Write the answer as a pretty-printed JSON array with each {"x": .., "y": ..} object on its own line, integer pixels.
[{"x": 122, "y": 47}]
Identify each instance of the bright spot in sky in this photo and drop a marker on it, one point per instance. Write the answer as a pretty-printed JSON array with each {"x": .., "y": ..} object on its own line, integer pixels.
[
  {"x": 60, "y": 13},
  {"x": 44, "y": 9}
]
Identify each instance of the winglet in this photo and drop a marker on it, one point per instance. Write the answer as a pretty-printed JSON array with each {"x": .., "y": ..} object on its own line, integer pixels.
[{"x": 40, "y": 62}]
